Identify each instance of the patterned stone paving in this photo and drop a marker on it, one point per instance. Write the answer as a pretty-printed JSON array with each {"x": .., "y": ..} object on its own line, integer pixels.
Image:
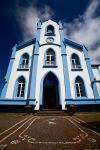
[{"x": 49, "y": 132}]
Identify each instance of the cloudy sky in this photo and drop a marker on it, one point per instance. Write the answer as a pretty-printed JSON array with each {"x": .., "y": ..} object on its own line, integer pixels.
[{"x": 18, "y": 18}]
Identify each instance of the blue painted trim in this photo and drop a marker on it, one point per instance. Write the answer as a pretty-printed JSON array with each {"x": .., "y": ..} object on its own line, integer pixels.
[
  {"x": 91, "y": 75},
  {"x": 3, "y": 94},
  {"x": 34, "y": 65},
  {"x": 60, "y": 25},
  {"x": 16, "y": 102},
  {"x": 39, "y": 23},
  {"x": 25, "y": 44},
  {"x": 85, "y": 99},
  {"x": 68, "y": 101},
  {"x": 65, "y": 67},
  {"x": 32, "y": 102},
  {"x": 73, "y": 44},
  {"x": 78, "y": 97},
  {"x": 15, "y": 89},
  {"x": 97, "y": 81},
  {"x": 33, "y": 78},
  {"x": 82, "y": 101}
]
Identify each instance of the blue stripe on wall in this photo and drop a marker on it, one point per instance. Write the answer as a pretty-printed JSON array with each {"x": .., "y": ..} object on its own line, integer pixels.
[
  {"x": 65, "y": 66},
  {"x": 35, "y": 64},
  {"x": 93, "y": 84}
]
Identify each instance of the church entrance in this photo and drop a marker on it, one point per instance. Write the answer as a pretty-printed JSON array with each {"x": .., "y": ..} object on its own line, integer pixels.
[{"x": 50, "y": 92}]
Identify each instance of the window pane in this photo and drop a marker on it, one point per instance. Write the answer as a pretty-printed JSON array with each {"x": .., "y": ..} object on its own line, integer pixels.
[
  {"x": 75, "y": 61},
  {"x": 23, "y": 61},
  {"x": 52, "y": 58},
  {"x": 80, "y": 89},
  {"x": 27, "y": 61},
  {"x": 21, "y": 87},
  {"x": 48, "y": 58}
]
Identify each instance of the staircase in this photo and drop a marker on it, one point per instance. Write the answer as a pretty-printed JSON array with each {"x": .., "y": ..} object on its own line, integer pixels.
[{"x": 50, "y": 112}]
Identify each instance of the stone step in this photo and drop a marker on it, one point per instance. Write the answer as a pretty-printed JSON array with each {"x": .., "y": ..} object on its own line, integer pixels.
[{"x": 51, "y": 113}]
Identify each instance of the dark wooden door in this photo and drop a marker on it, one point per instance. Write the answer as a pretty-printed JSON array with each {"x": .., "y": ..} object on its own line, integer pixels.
[{"x": 50, "y": 97}]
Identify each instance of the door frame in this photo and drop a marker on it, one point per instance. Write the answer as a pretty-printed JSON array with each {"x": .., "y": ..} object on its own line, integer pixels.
[{"x": 41, "y": 91}]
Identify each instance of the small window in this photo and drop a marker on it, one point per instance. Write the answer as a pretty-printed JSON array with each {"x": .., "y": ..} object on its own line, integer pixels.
[
  {"x": 21, "y": 87},
  {"x": 80, "y": 88},
  {"x": 50, "y": 58},
  {"x": 50, "y": 30},
  {"x": 24, "y": 61},
  {"x": 75, "y": 62}
]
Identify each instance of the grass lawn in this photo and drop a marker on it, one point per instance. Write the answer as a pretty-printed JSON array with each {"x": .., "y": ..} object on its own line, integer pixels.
[
  {"x": 92, "y": 118},
  {"x": 9, "y": 119}
]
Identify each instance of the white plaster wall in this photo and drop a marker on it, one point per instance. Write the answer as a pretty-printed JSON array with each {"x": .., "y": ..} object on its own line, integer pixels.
[
  {"x": 98, "y": 87},
  {"x": 41, "y": 72},
  {"x": 43, "y": 32},
  {"x": 15, "y": 74},
  {"x": 73, "y": 74},
  {"x": 96, "y": 73}
]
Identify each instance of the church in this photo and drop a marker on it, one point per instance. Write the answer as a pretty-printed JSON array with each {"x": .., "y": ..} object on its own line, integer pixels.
[{"x": 50, "y": 72}]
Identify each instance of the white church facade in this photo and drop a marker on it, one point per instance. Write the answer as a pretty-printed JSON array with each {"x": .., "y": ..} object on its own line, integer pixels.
[{"x": 51, "y": 72}]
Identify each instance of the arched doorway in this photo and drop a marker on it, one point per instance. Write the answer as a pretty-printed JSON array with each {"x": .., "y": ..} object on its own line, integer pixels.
[{"x": 50, "y": 92}]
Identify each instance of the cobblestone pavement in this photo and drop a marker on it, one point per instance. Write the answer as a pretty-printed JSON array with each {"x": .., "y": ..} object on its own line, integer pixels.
[{"x": 49, "y": 133}]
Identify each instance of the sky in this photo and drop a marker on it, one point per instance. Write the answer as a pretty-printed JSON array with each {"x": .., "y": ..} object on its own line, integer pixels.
[{"x": 18, "y": 19}]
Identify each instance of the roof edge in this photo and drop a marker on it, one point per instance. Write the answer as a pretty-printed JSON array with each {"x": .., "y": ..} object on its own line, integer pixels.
[
  {"x": 26, "y": 43},
  {"x": 74, "y": 44}
]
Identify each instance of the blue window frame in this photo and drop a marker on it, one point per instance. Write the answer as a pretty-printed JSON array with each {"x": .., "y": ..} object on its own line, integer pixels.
[
  {"x": 80, "y": 87},
  {"x": 24, "y": 63},
  {"x": 20, "y": 87},
  {"x": 75, "y": 62}
]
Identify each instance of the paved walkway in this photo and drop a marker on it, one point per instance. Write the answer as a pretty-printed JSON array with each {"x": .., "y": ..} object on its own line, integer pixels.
[{"x": 49, "y": 133}]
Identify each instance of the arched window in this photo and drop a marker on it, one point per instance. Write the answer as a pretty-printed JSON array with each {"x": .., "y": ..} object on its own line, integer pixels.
[
  {"x": 20, "y": 86},
  {"x": 24, "y": 61},
  {"x": 50, "y": 30},
  {"x": 75, "y": 62},
  {"x": 80, "y": 88},
  {"x": 50, "y": 58}
]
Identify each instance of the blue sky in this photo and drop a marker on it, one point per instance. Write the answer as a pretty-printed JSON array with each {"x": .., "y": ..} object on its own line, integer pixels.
[{"x": 18, "y": 18}]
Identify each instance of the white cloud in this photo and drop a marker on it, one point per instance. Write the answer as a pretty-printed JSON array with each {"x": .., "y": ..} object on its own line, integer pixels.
[
  {"x": 86, "y": 30},
  {"x": 27, "y": 18}
]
